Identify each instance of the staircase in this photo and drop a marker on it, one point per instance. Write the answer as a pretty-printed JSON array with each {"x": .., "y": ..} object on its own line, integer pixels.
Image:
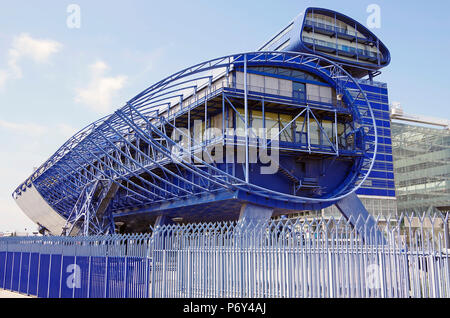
[{"x": 309, "y": 183}]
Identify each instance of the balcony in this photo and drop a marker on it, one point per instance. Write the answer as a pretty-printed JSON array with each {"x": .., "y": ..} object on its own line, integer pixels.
[
  {"x": 333, "y": 30},
  {"x": 342, "y": 50},
  {"x": 322, "y": 28}
]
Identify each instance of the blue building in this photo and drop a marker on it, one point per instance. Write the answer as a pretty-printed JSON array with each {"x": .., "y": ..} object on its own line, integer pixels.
[
  {"x": 292, "y": 127},
  {"x": 335, "y": 36}
]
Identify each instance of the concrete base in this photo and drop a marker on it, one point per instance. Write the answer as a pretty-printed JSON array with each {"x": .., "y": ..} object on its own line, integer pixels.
[
  {"x": 9, "y": 294},
  {"x": 158, "y": 235},
  {"x": 354, "y": 211},
  {"x": 254, "y": 215},
  {"x": 163, "y": 220}
]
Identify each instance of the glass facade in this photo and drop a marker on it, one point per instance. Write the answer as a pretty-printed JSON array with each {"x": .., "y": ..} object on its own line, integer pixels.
[
  {"x": 378, "y": 207},
  {"x": 328, "y": 34},
  {"x": 422, "y": 168},
  {"x": 381, "y": 180},
  {"x": 333, "y": 34}
]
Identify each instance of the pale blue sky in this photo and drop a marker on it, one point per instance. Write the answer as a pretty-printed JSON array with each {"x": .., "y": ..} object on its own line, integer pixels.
[{"x": 55, "y": 80}]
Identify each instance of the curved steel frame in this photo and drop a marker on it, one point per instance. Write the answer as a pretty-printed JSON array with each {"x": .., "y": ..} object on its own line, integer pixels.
[
  {"x": 111, "y": 148},
  {"x": 296, "y": 42}
]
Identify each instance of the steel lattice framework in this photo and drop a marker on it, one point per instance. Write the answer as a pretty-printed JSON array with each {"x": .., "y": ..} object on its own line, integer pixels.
[{"x": 110, "y": 156}]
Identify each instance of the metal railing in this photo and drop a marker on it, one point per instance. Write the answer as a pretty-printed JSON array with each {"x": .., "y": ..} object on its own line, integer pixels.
[
  {"x": 341, "y": 47},
  {"x": 329, "y": 27},
  {"x": 316, "y": 258}
]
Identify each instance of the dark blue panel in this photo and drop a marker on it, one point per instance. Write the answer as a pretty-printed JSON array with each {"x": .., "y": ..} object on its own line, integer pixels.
[
  {"x": 16, "y": 272},
  {"x": 136, "y": 277},
  {"x": 376, "y": 106},
  {"x": 380, "y": 192},
  {"x": 66, "y": 287},
  {"x": 83, "y": 263},
  {"x": 44, "y": 268},
  {"x": 380, "y": 123},
  {"x": 377, "y": 174},
  {"x": 55, "y": 276},
  {"x": 97, "y": 279},
  {"x": 2, "y": 268},
  {"x": 364, "y": 191},
  {"x": 8, "y": 271},
  {"x": 24, "y": 273},
  {"x": 116, "y": 273},
  {"x": 34, "y": 272},
  {"x": 375, "y": 192}
]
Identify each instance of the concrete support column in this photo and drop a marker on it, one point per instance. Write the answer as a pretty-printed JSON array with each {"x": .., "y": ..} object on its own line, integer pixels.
[
  {"x": 163, "y": 220},
  {"x": 159, "y": 237},
  {"x": 254, "y": 215},
  {"x": 253, "y": 222}
]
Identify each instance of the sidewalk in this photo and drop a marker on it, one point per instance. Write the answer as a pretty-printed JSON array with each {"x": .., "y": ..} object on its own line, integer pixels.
[{"x": 8, "y": 294}]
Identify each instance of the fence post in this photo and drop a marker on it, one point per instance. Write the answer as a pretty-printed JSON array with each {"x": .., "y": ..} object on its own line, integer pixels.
[
  {"x": 125, "y": 277},
  {"x": 331, "y": 274},
  {"x": 147, "y": 268},
  {"x": 60, "y": 272},
  {"x": 12, "y": 271},
  {"x": 4, "y": 267},
  {"x": 238, "y": 263},
  {"x": 20, "y": 268},
  {"x": 447, "y": 251},
  {"x": 189, "y": 279},
  {"x": 89, "y": 277},
  {"x": 446, "y": 231},
  {"x": 29, "y": 271},
  {"x": 164, "y": 270},
  {"x": 74, "y": 275},
  {"x": 106, "y": 292},
  {"x": 39, "y": 270}
]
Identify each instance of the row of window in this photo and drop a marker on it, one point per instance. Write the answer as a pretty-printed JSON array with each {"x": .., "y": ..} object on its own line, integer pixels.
[
  {"x": 340, "y": 47},
  {"x": 320, "y": 132}
]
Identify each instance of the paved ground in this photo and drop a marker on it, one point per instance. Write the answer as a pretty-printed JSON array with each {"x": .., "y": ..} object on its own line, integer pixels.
[{"x": 8, "y": 294}]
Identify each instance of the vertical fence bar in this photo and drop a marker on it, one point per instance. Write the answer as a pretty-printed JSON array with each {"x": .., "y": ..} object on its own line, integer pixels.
[{"x": 286, "y": 258}]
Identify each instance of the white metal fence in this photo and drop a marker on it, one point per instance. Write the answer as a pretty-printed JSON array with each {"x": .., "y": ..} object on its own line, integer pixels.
[{"x": 320, "y": 258}]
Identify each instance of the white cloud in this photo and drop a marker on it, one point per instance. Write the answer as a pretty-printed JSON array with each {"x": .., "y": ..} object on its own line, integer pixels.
[
  {"x": 25, "y": 47},
  {"x": 27, "y": 145},
  {"x": 147, "y": 60},
  {"x": 3, "y": 77},
  {"x": 13, "y": 219},
  {"x": 99, "y": 94},
  {"x": 29, "y": 137},
  {"x": 28, "y": 129},
  {"x": 66, "y": 131}
]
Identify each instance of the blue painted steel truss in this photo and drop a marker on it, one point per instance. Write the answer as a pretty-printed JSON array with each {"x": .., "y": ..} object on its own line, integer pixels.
[{"x": 132, "y": 149}]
